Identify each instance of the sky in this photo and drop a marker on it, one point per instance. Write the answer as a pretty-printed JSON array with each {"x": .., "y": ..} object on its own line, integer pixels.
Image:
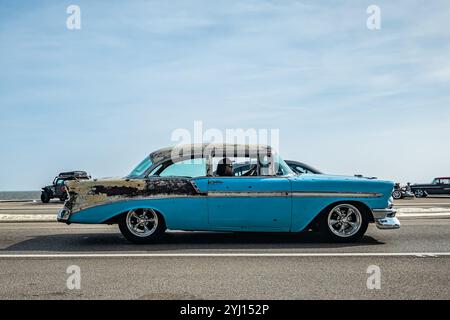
[{"x": 345, "y": 99}]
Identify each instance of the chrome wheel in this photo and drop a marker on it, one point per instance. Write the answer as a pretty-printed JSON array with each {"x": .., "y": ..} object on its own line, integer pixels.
[
  {"x": 142, "y": 222},
  {"x": 344, "y": 220},
  {"x": 419, "y": 193},
  {"x": 397, "y": 194}
]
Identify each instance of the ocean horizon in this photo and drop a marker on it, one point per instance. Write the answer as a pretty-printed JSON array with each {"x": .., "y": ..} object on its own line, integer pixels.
[{"x": 20, "y": 195}]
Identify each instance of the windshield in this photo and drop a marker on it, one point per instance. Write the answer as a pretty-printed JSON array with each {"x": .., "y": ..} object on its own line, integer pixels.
[
  {"x": 281, "y": 167},
  {"x": 141, "y": 168}
]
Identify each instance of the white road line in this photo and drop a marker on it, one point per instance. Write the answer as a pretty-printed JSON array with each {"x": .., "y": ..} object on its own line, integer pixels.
[
  {"x": 423, "y": 204},
  {"x": 218, "y": 255},
  {"x": 424, "y": 210},
  {"x": 423, "y": 215},
  {"x": 27, "y": 217}
]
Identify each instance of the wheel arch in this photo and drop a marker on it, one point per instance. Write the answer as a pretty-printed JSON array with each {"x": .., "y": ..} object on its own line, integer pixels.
[
  {"x": 110, "y": 213},
  {"x": 115, "y": 219},
  {"x": 358, "y": 204}
]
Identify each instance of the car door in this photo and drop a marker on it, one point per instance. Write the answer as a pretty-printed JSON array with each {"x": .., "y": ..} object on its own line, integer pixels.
[
  {"x": 258, "y": 203},
  {"x": 434, "y": 188},
  {"x": 444, "y": 186}
]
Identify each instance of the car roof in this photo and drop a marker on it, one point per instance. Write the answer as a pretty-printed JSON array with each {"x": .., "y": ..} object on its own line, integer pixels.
[
  {"x": 204, "y": 149},
  {"x": 442, "y": 178}
]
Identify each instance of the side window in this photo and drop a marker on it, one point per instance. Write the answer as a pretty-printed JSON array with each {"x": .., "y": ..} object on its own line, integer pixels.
[
  {"x": 187, "y": 168},
  {"x": 300, "y": 169},
  {"x": 240, "y": 169},
  {"x": 60, "y": 182},
  {"x": 247, "y": 166},
  {"x": 234, "y": 166},
  {"x": 155, "y": 170}
]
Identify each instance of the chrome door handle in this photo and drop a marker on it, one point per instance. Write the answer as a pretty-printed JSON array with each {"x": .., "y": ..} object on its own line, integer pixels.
[{"x": 214, "y": 182}]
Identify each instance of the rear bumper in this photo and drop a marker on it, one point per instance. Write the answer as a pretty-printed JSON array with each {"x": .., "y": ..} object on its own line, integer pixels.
[
  {"x": 63, "y": 215},
  {"x": 385, "y": 219}
]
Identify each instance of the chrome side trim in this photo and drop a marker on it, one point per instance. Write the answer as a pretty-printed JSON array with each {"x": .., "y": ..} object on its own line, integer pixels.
[
  {"x": 321, "y": 194},
  {"x": 248, "y": 194},
  {"x": 296, "y": 194}
]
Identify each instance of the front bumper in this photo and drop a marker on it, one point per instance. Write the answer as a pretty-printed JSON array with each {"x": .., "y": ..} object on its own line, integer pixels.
[
  {"x": 385, "y": 219},
  {"x": 64, "y": 215}
]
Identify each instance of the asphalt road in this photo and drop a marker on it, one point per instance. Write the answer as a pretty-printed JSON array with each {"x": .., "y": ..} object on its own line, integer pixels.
[{"x": 414, "y": 263}]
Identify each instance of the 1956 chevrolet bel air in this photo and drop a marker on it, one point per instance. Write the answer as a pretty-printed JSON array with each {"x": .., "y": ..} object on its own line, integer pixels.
[{"x": 194, "y": 187}]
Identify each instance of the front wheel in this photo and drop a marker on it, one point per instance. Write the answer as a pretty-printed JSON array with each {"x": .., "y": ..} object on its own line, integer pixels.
[
  {"x": 142, "y": 225},
  {"x": 344, "y": 223}
]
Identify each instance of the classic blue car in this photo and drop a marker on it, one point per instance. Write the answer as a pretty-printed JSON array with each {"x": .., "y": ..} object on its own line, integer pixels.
[{"x": 194, "y": 187}]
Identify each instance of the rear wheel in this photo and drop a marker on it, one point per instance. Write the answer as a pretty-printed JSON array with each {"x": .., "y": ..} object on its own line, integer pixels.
[
  {"x": 142, "y": 225},
  {"x": 45, "y": 197},
  {"x": 344, "y": 223},
  {"x": 419, "y": 193}
]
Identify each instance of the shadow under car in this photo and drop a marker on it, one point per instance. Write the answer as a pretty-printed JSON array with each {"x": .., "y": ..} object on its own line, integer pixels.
[{"x": 180, "y": 240}]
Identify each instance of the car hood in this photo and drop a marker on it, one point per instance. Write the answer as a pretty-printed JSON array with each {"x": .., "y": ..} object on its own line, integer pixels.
[{"x": 333, "y": 183}]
